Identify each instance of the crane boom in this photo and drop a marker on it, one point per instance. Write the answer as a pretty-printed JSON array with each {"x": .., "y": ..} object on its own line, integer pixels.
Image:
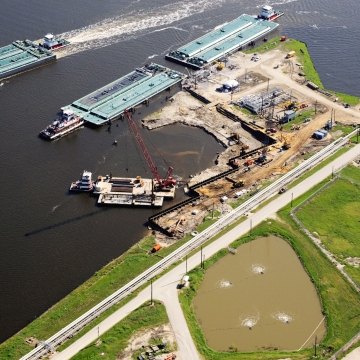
[{"x": 162, "y": 183}]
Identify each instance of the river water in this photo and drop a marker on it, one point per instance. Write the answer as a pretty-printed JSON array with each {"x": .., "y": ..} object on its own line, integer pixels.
[{"x": 50, "y": 242}]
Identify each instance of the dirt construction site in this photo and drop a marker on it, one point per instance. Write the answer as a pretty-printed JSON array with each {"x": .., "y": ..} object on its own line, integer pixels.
[{"x": 266, "y": 124}]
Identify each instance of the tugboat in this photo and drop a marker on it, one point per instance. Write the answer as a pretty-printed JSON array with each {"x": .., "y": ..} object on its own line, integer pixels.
[
  {"x": 84, "y": 184},
  {"x": 51, "y": 42},
  {"x": 268, "y": 13},
  {"x": 64, "y": 124}
]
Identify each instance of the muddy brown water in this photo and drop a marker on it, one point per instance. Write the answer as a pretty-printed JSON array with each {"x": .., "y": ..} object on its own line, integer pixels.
[{"x": 259, "y": 298}]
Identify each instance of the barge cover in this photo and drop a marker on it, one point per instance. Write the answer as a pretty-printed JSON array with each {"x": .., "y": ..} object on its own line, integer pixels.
[
  {"x": 21, "y": 56},
  {"x": 110, "y": 101},
  {"x": 231, "y": 37}
]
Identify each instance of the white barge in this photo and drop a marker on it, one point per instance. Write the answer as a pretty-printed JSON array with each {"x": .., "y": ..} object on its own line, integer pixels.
[{"x": 130, "y": 192}]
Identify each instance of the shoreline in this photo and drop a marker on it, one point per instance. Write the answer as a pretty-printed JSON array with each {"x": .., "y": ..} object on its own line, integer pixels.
[{"x": 105, "y": 274}]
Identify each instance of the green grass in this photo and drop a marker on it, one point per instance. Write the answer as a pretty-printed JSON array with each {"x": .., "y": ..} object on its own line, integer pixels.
[
  {"x": 345, "y": 130},
  {"x": 312, "y": 171},
  {"x": 340, "y": 302},
  {"x": 337, "y": 212},
  {"x": 299, "y": 118},
  {"x": 114, "y": 341},
  {"x": 266, "y": 46},
  {"x": 347, "y": 98},
  {"x": 304, "y": 58}
]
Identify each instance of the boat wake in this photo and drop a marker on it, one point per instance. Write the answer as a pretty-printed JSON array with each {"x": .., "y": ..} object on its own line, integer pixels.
[{"x": 132, "y": 25}]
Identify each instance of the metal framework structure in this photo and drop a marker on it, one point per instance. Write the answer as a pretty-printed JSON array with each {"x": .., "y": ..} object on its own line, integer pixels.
[{"x": 169, "y": 181}]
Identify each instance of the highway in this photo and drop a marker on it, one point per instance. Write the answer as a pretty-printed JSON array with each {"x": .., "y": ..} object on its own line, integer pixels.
[{"x": 166, "y": 292}]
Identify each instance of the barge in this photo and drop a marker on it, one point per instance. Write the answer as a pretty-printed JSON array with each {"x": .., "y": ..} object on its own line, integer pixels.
[
  {"x": 234, "y": 36},
  {"x": 23, "y": 55},
  {"x": 65, "y": 123},
  {"x": 112, "y": 100},
  {"x": 130, "y": 192}
]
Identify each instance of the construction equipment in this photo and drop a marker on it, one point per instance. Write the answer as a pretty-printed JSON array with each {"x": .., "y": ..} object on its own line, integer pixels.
[
  {"x": 286, "y": 143},
  {"x": 235, "y": 183},
  {"x": 220, "y": 66},
  {"x": 248, "y": 162},
  {"x": 160, "y": 183},
  {"x": 290, "y": 54}
]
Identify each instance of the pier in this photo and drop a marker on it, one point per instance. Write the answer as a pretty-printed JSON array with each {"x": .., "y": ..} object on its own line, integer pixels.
[{"x": 109, "y": 102}]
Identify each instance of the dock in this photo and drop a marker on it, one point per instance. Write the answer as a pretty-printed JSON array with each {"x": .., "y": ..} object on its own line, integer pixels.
[
  {"x": 233, "y": 36},
  {"x": 22, "y": 55},
  {"x": 109, "y": 102},
  {"x": 130, "y": 192}
]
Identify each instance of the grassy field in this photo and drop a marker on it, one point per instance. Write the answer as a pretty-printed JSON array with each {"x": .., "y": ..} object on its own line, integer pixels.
[
  {"x": 114, "y": 341},
  {"x": 337, "y": 212},
  {"x": 340, "y": 302}
]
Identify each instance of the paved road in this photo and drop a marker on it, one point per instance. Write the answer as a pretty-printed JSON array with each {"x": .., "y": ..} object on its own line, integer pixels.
[
  {"x": 164, "y": 288},
  {"x": 354, "y": 355}
]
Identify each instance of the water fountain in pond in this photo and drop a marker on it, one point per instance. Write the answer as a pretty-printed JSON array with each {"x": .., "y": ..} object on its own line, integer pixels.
[
  {"x": 225, "y": 284},
  {"x": 258, "y": 269},
  {"x": 250, "y": 321},
  {"x": 283, "y": 317}
]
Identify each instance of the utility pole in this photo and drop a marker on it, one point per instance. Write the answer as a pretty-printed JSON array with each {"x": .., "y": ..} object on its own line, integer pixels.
[
  {"x": 250, "y": 226},
  {"x": 357, "y": 134},
  {"x": 292, "y": 199},
  {"x": 151, "y": 292},
  {"x": 201, "y": 256},
  {"x": 315, "y": 106},
  {"x": 267, "y": 90},
  {"x": 315, "y": 345},
  {"x": 186, "y": 264}
]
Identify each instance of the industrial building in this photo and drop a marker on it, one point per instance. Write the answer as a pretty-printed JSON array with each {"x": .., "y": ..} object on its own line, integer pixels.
[
  {"x": 233, "y": 36},
  {"x": 110, "y": 101}
]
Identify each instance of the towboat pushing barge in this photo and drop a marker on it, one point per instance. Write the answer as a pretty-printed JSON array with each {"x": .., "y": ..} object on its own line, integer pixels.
[
  {"x": 51, "y": 42},
  {"x": 268, "y": 13},
  {"x": 64, "y": 124},
  {"x": 85, "y": 184}
]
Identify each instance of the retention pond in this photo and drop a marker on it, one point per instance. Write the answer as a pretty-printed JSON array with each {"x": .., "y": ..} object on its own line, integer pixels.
[{"x": 260, "y": 298}]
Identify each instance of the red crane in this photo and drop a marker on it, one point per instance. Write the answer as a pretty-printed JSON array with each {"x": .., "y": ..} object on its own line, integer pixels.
[{"x": 162, "y": 184}]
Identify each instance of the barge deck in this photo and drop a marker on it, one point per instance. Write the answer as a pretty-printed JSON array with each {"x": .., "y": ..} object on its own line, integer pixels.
[
  {"x": 109, "y": 102},
  {"x": 22, "y": 55},
  {"x": 233, "y": 36},
  {"x": 130, "y": 192}
]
